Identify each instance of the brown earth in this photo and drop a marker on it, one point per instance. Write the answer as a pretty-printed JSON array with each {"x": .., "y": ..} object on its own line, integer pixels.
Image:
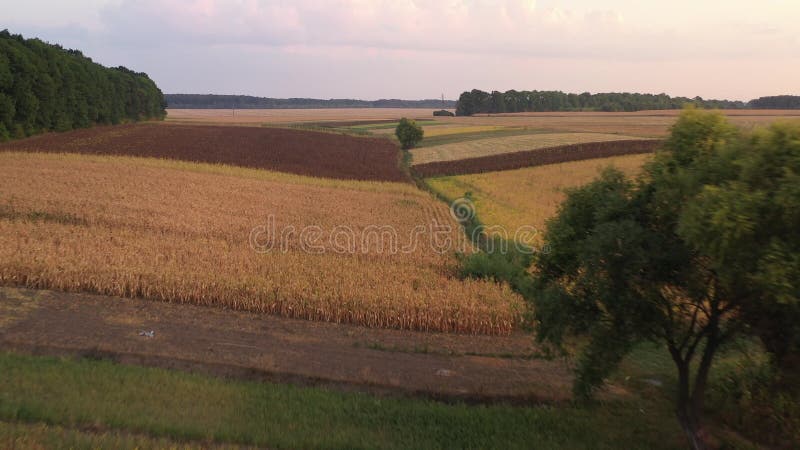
[
  {"x": 295, "y": 151},
  {"x": 255, "y": 346},
  {"x": 538, "y": 157}
]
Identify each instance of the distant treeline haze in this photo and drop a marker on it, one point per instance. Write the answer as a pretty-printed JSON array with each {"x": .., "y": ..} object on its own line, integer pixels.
[
  {"x": 45, "y": 87},
  {"x": 480, "y": 102},
  {"x": 212, "y": 101}
]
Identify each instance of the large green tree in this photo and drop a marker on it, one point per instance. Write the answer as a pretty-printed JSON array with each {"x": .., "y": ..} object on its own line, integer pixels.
[
  {"x": 44, "y": 87},
  {"x": 702, "y": 248}
]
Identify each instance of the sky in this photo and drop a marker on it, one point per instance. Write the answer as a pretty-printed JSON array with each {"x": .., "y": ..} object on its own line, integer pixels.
[{"x": 413, "y": 49}]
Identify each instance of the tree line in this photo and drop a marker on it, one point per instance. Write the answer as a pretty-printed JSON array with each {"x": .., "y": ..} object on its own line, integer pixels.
[
  {"x": 44, "y": 87},
  {"x": 480, "y": 102},
  {"x": 213, "y": 101},
  {"x": 776, "y": 102}
]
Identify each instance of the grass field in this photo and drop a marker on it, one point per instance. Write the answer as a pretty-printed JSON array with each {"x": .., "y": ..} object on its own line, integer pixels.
[
  {"x": 152, "y": 228},
  {"x": 40, "y": 435},
  {"x": 158, "y": 404},
  {"x": 79, "y": 403},
  {"x": 508, "y": 144},
  {"x": 513, "y": 199}
]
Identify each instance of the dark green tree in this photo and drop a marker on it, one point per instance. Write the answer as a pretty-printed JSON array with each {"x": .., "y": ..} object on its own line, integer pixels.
[
  {"x": 776, "y": 102},
  {"x": 408, "y": 133},
  {"x": 44, "y": 87},
  {"x": 702, "y": 248},
  {"x": 480, "y": 102}
]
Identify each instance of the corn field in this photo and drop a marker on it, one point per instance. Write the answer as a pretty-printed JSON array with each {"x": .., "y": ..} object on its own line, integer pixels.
[{"x": 174, "y": 232}]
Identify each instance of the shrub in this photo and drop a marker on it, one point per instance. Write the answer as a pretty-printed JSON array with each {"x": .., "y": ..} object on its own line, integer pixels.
[
  {"x": 409, "y": 133},
  {"x": 754, "y": 397}
]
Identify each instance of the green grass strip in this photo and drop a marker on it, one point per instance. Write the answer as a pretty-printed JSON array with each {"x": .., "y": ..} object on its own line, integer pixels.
[{"x": 188, "y": 407}]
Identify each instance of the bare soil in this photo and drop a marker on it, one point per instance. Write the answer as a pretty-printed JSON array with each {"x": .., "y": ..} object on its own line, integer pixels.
[
  {"x": 538, "y": 157},
  {"x": 255, "y": 346},
  {"x": 295, "y": 151}
]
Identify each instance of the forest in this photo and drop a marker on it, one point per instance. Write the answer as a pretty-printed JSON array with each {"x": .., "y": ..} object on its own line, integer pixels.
[
  {"x": 480, "y": 102},
  {"x": 45, "y": 87},
  {"x": 212, "y": 101}
]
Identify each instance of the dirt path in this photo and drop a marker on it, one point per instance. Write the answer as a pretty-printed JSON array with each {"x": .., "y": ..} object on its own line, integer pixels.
[{"x": 253, "y": 346}]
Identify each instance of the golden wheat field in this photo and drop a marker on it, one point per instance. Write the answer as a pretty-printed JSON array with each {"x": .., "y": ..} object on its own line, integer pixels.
[
  {"x": 514, "y": 199},
  {"x": 184, "y": 232},
  {"x": 507, "y": 144}
]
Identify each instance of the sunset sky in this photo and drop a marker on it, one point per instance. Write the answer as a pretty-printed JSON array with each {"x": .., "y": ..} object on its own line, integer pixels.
[{"x": 733, "y": 49}]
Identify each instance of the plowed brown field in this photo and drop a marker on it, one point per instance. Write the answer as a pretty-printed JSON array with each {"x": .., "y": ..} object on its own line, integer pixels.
[
  {"x": 294, "y": 151},
  {"x": 530, "y": 158}
]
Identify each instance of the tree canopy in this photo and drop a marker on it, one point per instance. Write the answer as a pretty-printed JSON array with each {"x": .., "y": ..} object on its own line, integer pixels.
[
  {"x": 45, "y": 87},
  {"x": 408, "y": 133},
  {"x": 701, "y": 249}
]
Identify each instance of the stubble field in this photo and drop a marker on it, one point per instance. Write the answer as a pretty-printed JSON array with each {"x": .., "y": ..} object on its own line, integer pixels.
[{"x": 285, "y": 116}]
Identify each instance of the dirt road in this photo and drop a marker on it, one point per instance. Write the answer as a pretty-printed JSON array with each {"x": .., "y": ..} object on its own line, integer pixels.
[{"x": 260, "y": 347}]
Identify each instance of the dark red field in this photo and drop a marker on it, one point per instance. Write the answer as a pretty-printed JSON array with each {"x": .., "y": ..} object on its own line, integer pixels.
[
  {"x": 539, "y": 157},
  {"x": 295, "y": 151}
]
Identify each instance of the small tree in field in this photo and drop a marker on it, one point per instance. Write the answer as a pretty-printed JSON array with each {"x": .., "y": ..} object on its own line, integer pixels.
[
  {"x": 702, "y": 248},
  {"x": 409, "y": 133}
]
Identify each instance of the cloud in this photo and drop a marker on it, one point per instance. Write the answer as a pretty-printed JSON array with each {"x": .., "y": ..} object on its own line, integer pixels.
[
  {"x": 512, "y": 27},
  {"x": 418, "y": 48}
]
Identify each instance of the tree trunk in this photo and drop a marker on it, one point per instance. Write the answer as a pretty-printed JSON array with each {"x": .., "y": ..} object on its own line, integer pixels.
[
  {"x": 687, "y": 416},
  {"x": 690, "y": 427},
  {"x": 698, "y": 392}
]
